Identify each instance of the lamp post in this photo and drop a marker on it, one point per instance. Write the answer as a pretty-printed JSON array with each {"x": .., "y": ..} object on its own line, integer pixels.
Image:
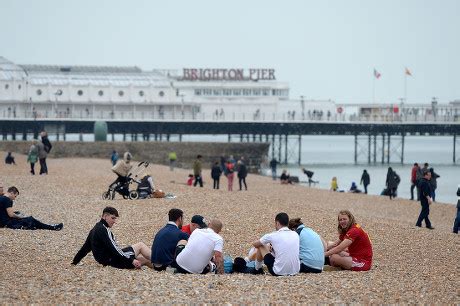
[
  {"x": 182, "y": 106},
  {"x": 56, "y": 94},
  {"x": 302, "y": 104}
]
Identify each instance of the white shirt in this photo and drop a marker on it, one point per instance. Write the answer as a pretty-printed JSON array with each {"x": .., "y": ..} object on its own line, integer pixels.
[
  {"x": 199, "y": 250},
  {"x": 285, "y": 244}
]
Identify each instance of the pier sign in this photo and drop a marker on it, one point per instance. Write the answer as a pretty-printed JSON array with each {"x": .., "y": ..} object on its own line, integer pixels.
[{"x": 218, "y": 74}]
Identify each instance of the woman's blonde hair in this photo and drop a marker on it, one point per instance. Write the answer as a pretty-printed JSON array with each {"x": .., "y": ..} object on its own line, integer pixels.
[{"x": 351, "y": 221}]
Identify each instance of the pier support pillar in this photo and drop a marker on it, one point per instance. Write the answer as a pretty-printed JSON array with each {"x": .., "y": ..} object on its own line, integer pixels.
[
  {"x": 369, "y": 149},
  {"x": 375, "y": 148},
  {"x": 286, "y": 149},
  {"x": 403, "y": 135},
  {"x": 455, "y": 144},
  {"x": 388, "y": 149},
  {"x": 383, "y": 149},
  {"x": 300, "y": 150},
  {"x": 356, "y": 148}
]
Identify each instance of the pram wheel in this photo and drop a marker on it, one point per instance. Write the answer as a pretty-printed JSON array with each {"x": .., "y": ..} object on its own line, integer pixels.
[
  {"x": 133, "y": 195},
  {"x": 108, "y": 195}
]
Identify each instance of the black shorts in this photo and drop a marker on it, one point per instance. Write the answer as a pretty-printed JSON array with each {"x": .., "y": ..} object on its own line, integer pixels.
[
  {"x": 122, "y": 264},
  {"x": 269, "y": 261},
  {"x": 179, "y": 269},
  {"x": 307, "y": 269}
]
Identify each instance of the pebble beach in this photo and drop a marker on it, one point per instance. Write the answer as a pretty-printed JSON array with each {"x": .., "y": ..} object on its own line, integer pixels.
[{"x": 410, "y": 265}]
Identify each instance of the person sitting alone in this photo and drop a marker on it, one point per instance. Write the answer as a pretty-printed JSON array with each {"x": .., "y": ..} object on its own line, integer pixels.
[
  {"x": 312, "y": 247},
  {"x": 196, "y": 222},
  {"x": 354, "y": 188},
  {"x": 353, "y": 250},
  {"x": 202, "y": 252},
  {"x": 9, "y": 159},
  {"x": 279, "y": 250},
  {"x": 14, "y": 219},
  {"x": 106, "y": 251},
  {"x": 285, "y": 178}
]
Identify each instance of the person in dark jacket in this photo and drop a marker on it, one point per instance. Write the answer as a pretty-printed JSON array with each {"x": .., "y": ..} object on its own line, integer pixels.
[
  {"x": 425, "y": 200},
  {"x": 15, "y": 219},
  {"x": 242, "y": 174},
  {"x": 457, "y": 219},
  {"x": 216, "y": 172},
  {"x": 365, "y": 180},
  {"x": 9, "y": 159},
  {"x": 433, "y": 183},
  {"x": 105, "y": 250},
  {"x": 392, "y": 182},
  {"x": 44, "y": 147}
]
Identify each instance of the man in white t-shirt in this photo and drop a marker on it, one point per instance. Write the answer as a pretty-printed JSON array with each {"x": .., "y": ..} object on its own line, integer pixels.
[
  {"x": 279, "y": 250},
  {"x": 203, "y": 246}
]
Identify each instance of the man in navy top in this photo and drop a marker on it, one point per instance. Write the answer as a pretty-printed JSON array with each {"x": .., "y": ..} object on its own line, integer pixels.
[{"x": 165, "y": 241}]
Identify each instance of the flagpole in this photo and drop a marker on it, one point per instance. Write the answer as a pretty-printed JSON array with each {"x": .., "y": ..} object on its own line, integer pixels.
[
  {"x": 405, "y": 87},
  {"x": 373, "y": 89}
]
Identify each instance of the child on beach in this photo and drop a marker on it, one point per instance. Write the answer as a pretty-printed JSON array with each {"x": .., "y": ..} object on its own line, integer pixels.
[{"x": 190, "y": 180}]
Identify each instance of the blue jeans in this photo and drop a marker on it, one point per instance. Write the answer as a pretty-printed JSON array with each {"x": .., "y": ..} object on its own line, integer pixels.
[{"x": 457, "y": 222}]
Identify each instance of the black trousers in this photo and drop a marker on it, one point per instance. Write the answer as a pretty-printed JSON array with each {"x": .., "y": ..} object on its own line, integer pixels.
[
  {"x": 198, "y": 179},
  {"x": 365, "y": 189},
  {"x": 216, "y": 183},
  {"x": 412, "y": 187},
  {"x": 29, "y": 223},
  {"x": 32, "y": 168},
  {"x": 424, "y": 215},
  {"x": 242, "y": 179},
  {"x": 43, "y": 166}
]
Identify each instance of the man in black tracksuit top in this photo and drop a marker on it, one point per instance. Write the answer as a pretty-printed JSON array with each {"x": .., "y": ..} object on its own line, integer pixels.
[{"x": 106, "y": 251}]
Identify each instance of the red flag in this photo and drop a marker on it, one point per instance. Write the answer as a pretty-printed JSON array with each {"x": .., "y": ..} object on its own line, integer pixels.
[{"x": 376, "y": 74}]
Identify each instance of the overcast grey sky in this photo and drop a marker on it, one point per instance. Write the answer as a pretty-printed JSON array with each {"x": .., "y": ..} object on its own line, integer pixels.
[{"x": 325, "y": 49}]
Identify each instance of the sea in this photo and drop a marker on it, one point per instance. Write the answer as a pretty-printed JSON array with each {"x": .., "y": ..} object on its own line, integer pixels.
[{"x": 328, "y": 156}]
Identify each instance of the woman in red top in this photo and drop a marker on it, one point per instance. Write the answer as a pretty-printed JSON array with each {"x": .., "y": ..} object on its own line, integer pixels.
[{"x": 353, "y": 250}]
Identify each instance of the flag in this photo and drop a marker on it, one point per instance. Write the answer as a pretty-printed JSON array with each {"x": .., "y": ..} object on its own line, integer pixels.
[
  {"x": 376, "y": 74},
  {"x": 408, "y": 72}
]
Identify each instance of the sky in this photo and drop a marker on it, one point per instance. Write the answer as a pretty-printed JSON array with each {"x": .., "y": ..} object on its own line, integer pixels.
[{"x": 324, "y": 49}]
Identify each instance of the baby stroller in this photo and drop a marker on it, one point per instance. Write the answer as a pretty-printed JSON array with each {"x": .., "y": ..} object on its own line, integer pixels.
[{"x": 124, "y": 187}]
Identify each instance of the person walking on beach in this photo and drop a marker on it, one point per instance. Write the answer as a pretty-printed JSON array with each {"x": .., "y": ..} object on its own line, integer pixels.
[
  {"x": 279, "y": 250},
  {"x": 216, "y": 172},
  {"x": 365, "y": 180},
  {"x": 242, "y": 174},
  {"x": 457, "y": 219},
  {"x": 433, "y": 183},
  {"x": 197, "y": 168},
  {"x": 273, "y": 165},
  {"x": 172, "y": 160},
  {"x": 425, "y": 200},
  {"x": 230, "y": 174},
  {"x": 102, "y": 244},
  {"x": 392, "y": 182},
  {"x": 353, "y": 250},
  {"x": 43, "y": 152},
  {"x": 32, "y": 156},
  {"x": 413, "y": 180},
  {"x": 114, "y": 157}
]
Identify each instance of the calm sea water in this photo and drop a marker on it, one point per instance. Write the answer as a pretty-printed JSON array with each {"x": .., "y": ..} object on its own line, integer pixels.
[{"x": 330, "y": 156}]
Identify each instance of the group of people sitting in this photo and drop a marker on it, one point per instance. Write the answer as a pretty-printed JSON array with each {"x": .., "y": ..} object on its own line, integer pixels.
[{"x": 197, "y": 248}]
